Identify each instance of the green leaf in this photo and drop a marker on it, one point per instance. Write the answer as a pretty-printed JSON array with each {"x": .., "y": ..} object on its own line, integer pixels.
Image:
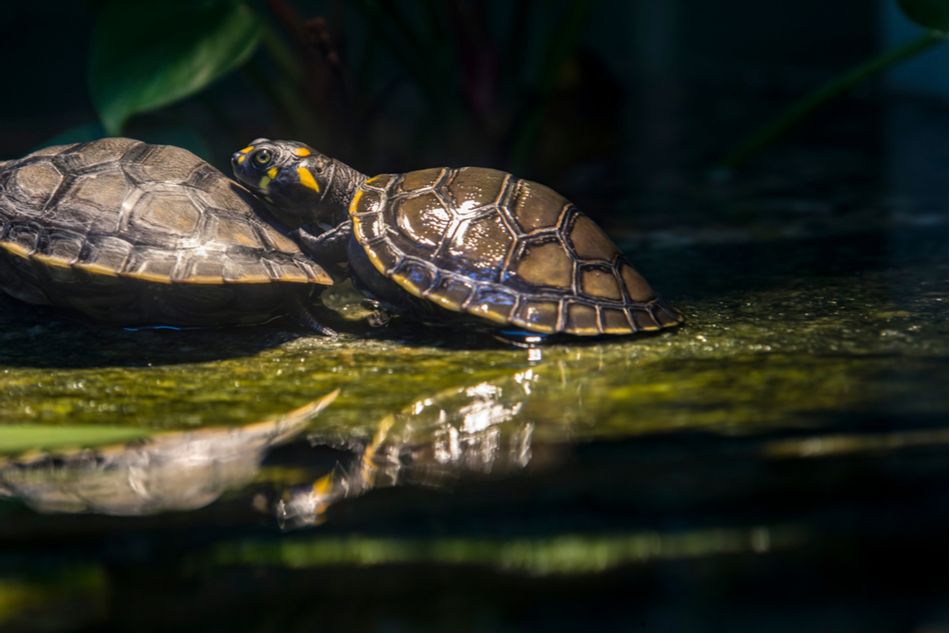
[
  {"x": 931, "y": 14},
  {"x": 15, "y": 438},
  {"x": 150, "y": 53}
]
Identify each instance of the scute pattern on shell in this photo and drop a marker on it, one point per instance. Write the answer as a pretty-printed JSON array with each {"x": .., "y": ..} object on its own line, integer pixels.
[
  {"x": 150, "y": 212},
  {"x": 122, "y": 231},
  {"x": 512, "y": 251}
]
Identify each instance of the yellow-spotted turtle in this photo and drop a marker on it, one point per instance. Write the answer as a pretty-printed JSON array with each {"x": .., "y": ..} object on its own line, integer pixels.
[
  {"x": 128, "y": 232},
  {"x": 466, "y": 240}
]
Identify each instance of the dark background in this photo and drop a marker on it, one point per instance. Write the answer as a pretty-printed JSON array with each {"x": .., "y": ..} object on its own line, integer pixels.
[
  {"x": 602, "y": 100},
  {"x": 627, "y": 109}
]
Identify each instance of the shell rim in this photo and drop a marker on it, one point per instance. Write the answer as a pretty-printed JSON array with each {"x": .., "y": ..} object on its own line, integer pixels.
[
  {"x": 18, "y": 250},
  {"x": 442, "y": 301}
]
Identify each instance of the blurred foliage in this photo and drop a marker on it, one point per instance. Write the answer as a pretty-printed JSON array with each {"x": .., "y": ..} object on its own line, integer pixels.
[
  {"x": 365, "y": 79},
  {"x": 391, "y": 85},
  {"x": 562, "y": 554},
  {"x": 931, "y": 14},
  {"x": 26, "y": 602},
  {"x": 137, "y": 64}
]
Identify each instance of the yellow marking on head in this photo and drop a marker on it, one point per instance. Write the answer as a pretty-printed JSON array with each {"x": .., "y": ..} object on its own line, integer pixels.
[
  {"x": 241, "y": 158},
  {"x": 263, "y": 182},
  {"x": 302, "y": 152},
  {"x": 272, "y": 172},
  {"x": 370, "y": 181},
  {"x": 247, "y": 149},
  {"x": 307, "y": 180}
]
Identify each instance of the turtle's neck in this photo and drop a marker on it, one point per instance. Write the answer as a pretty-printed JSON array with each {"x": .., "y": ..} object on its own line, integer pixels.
[{"x": 337, "y": 199}]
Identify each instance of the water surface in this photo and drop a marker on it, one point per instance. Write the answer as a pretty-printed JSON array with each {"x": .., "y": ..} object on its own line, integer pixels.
[{"x": 778, "y": 462}]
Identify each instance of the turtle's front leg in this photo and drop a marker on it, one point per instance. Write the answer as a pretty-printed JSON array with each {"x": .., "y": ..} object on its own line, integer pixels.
[
  {"x": 307, "y": 316},
  {"x": 327, "y": 248}
]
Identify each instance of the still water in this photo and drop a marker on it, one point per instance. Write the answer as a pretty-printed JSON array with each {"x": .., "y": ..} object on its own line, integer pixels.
[{"x": 777, "y": 463}]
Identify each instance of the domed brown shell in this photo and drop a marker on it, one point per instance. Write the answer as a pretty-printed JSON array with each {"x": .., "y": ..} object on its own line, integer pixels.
[
  {"x": 513, "y": 251},
  {"x": 126, "y": 231}
]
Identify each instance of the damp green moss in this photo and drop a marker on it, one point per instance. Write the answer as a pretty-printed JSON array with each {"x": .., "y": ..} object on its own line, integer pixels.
[{"x": 791, "y": 345}]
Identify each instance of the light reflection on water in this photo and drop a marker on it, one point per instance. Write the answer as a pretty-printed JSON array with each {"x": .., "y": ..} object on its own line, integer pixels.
[
  {"x": 180, "y": 470},
  {"x": 434, "y": 440},
  {"x": 488, "y": 427},
  {"x": 790, "y": 437}
]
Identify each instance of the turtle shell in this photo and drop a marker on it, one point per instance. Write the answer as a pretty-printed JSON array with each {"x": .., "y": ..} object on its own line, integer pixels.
[
  {"x": 512, "y": 251},
  {"x": 175, "y": 470},
  {"x": 125, "y": 231}
]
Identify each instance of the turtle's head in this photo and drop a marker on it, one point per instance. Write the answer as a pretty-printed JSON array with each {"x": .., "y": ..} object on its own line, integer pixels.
[{"x": 300, "y": 183}]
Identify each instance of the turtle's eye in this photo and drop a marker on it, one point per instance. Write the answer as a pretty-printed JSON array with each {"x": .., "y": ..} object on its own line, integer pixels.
[{"x": 263, "y": 157}]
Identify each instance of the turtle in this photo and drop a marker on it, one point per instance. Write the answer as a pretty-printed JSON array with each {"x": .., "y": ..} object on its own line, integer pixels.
[
  {"x": 511, "y": 253},
  {"x": 133, "y": 233},
  {"x": 172, "y": 470}
]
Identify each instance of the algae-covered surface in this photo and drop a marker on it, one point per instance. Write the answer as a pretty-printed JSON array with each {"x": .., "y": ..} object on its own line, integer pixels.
[{"x": 779, "y": 462}]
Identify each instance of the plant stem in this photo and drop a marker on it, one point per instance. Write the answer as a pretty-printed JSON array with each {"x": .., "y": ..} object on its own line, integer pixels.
[{"x": 799, "y": 110}]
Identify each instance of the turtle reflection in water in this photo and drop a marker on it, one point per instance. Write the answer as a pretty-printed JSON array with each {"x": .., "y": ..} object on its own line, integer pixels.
[
  {"x": 447, "y": 243},
  {"x": 476, "y": 429},
  {"x": 169, "y": 471},
  {"x": 122, "y": 231}
]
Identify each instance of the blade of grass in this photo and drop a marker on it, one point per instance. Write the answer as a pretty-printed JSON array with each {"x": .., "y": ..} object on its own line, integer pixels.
[
  {"x": 799, "y": 110},
  {"x": 15, "y": 438}
]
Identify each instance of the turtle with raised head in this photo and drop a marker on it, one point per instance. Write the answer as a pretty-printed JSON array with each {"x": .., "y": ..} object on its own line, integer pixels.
[
  {"x": 123, "y": 231},
  {"x": 469, "y": 241}
]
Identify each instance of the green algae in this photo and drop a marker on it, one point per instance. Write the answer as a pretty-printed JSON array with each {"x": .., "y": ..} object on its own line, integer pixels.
[
  {"x": 776, "y": 347},
  {"x": 796, "y": 423},
  {"x": 563, "y": 554},
  {"x": 81, "y": 591}
]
